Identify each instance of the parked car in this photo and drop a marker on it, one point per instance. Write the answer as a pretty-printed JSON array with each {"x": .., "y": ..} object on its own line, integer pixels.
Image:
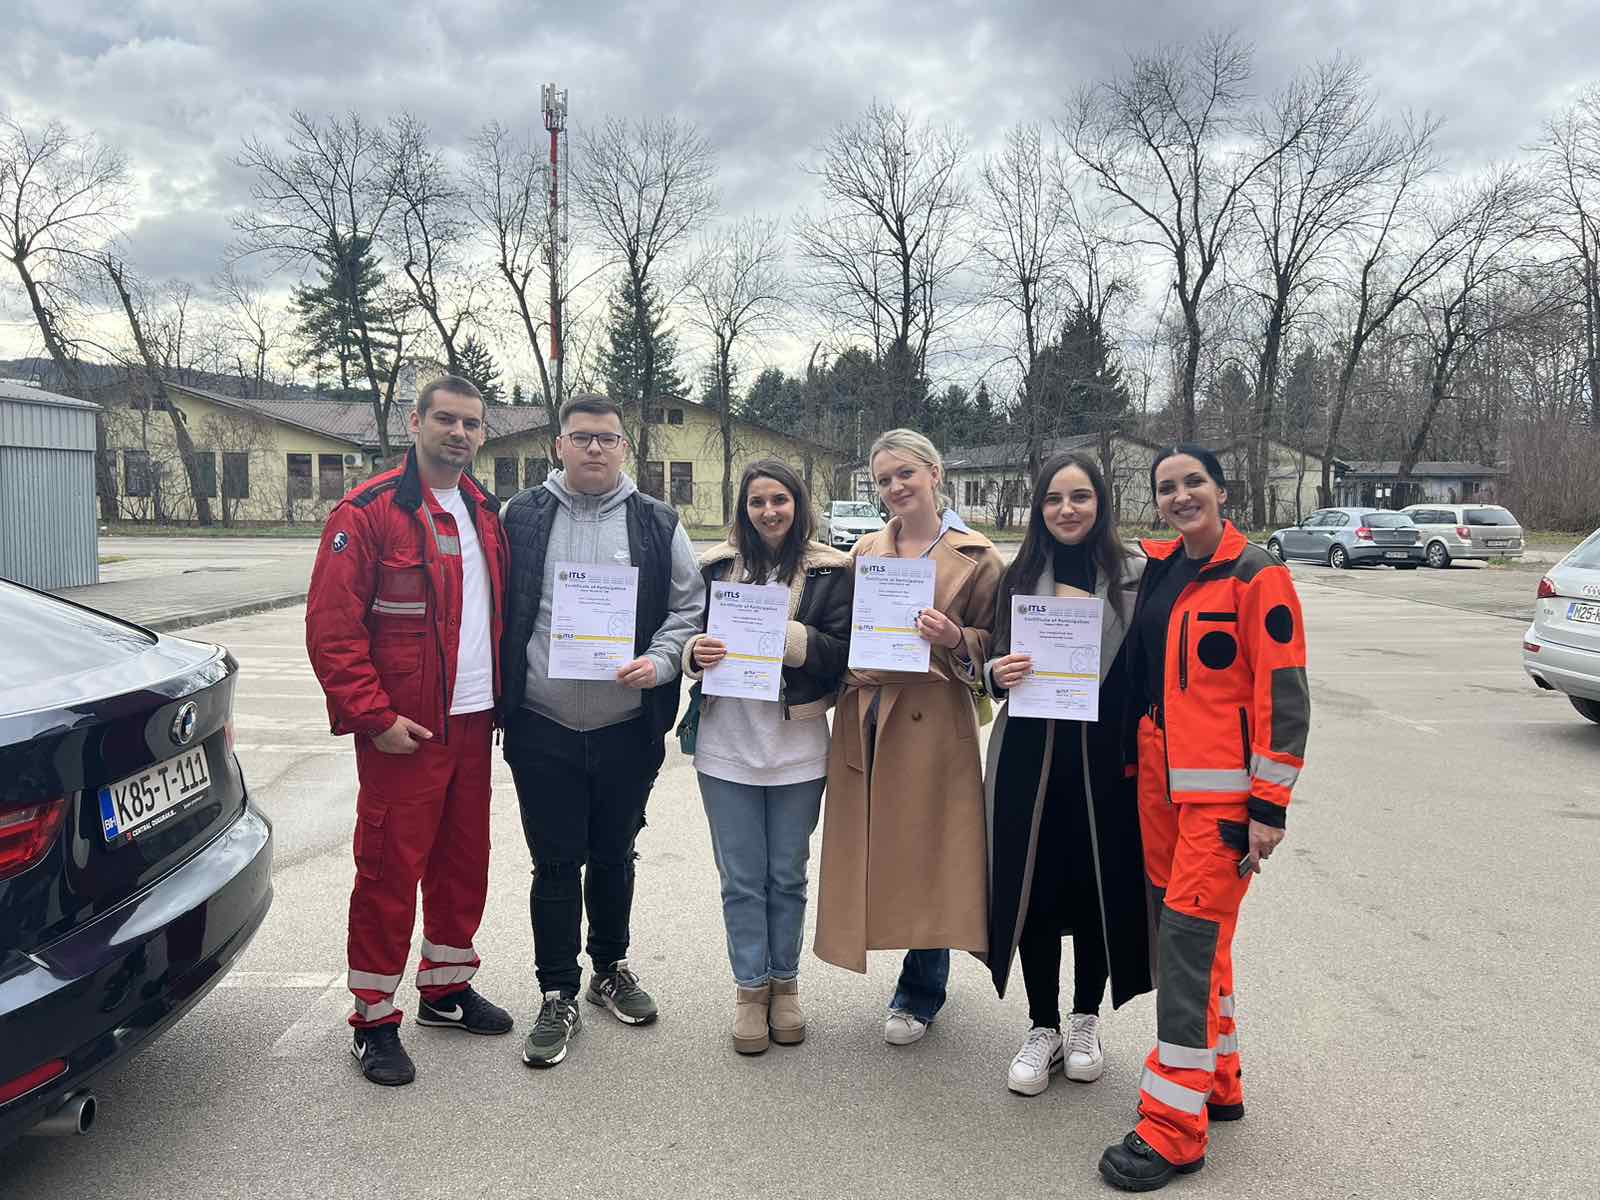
[
  {"x": 134, "y": 868},
  {"x": 1451, "y": 531},
  {"x": 1344, "y": 537},
  {"x": 847, "y": 520},
  {"x": 1561, "y": 649}
]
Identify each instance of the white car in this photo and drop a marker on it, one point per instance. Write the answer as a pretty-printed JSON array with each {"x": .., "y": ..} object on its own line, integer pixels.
[
  {"x": 1452, "y": 531},
  {"x": 847, "y": 520},
  {"x": 1561, "y": 650}
]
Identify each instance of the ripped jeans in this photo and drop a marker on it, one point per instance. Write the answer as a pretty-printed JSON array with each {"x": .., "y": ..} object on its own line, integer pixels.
[{"x": 582, "y": 797}]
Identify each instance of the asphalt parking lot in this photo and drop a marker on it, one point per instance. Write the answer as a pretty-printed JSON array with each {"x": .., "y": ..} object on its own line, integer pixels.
[{"x": 1416, "y": 972}]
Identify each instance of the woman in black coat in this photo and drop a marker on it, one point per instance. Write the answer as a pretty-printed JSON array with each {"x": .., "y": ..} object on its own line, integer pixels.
[{"x": 1064, "y": 848}]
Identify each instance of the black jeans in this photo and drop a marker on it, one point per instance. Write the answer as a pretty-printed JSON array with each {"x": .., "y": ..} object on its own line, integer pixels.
[
  {"x": 1065, "y": 895},
  {"x": 582, "y": 797}
]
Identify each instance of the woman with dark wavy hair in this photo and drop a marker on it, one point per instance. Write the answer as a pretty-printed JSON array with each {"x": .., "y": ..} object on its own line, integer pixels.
[{"x": 1064, "y": 844}]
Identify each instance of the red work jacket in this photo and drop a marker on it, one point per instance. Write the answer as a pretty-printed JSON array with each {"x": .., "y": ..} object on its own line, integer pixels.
[{"x": 383, "y": 614}]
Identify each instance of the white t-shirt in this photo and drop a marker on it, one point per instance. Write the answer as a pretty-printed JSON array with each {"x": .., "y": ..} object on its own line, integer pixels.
[{"x": 474, "y": 667}]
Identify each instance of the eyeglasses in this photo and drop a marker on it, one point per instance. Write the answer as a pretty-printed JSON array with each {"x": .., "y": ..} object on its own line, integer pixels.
[{"x": 608, "y": 441}]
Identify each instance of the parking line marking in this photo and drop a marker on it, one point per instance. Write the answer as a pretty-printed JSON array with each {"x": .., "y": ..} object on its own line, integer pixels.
[
  {"x": 279, "y": 979},
  {"x": 1406, "y": 721},
  {"x": 326, "y": 1016},
  {"x": 287, "y": 748}
]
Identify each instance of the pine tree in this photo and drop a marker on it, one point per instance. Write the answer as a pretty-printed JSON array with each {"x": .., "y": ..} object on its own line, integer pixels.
[
  {"x": 516, "y": 394},
  {"x": 622, "y": 358},
  {"x": 1079, "y": 383},
  {"x": 774, "y": 400},
  {"x": 325, "y": 318},
  {"x": 477, "y": 367}
]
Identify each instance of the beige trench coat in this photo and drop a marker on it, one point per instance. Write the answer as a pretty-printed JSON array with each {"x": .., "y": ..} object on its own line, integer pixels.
[{"x": 905, "y": 849}]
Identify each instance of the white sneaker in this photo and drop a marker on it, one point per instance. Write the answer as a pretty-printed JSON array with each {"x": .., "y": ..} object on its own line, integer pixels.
[
  {"x": 1086, "y": 1060},
  {"x": 1039, "y": 1056},
  {"x": 901, "y": 1029}
]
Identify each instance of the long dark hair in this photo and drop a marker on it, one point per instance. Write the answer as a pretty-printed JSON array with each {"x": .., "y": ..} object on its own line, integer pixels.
[
  {"x": 763, "y": 564},
  {"x": 1037, "y": 553},
  {"x": 1204, "y": 457}
]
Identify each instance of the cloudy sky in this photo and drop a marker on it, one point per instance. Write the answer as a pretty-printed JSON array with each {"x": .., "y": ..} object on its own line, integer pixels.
[{"x": 178, "y": 83}]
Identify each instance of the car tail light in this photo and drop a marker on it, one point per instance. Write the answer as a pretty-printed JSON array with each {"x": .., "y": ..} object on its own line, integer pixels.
[
  {"x": 227, "y": 733},
  {"x": 38, "y": 1077},
  {"x": 27, "y": 833},
  {"x": 1547, "y": 588},
  {"x": 1463, "y": 533},
  {"x": 1364, "y": 534},
  {"x": 1530, "y": 647}
]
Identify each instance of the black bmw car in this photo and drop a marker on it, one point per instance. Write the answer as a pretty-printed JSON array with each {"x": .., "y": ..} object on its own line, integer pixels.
[{"x": 133, "y": 867}]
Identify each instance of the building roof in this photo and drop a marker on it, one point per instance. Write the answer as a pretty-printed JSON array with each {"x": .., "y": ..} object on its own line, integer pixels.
[
  {"x": 352, "y": 421},
  {"x": 1423, "y": 470},
  {"x": 24, "y": 393},
  {"x": 1010, "y": 454}
]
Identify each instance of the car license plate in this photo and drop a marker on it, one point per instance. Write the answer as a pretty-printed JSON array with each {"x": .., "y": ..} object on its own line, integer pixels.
[
  {"x": 1501, "y": 542},
  {"x": 154, "y": 796},
  {"x": 1587, "y": 613},
  {"x": 1395, "y": 554}
]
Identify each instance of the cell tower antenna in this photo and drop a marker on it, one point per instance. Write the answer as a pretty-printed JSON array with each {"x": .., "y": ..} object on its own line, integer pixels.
[{"x": 555, "y": 121}]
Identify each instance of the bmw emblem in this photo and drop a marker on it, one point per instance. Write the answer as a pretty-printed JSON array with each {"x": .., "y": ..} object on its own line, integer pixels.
[{"x": 183, "y": 724}]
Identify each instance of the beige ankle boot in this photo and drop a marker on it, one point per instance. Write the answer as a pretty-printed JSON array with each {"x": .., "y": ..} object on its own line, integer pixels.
[
  {"x": 787, "y": 1021},
  {"x": 750, "y": 1019}
]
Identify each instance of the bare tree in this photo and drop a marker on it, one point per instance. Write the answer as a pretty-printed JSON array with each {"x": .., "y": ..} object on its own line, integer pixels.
[
  {"x": 61, "y": 197},
  {"x": 1459, "y": 309},
  {"x": 251, "y": 326},
  {"x": 1174, "y": 141},
  {"x": 427, "y": 231},
  {"x": 1324, "y": 155},
  {"x": 156, "y": 382},
  {"x": 736, "y": 286},
  {"x": 882, "y": 256},
  {"x": 325, "y": 202},
  {"x": 1568, "y": 158},
  {"x": 646, "y": 186}
]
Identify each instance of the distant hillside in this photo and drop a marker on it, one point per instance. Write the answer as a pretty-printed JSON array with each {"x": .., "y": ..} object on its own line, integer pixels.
[{"x": 42, "y": 371}]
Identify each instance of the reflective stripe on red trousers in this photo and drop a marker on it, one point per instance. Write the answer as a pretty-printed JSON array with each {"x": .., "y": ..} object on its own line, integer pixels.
[
  {"x": 1192, "y": 853},
  {"x": 421, "y": 818}
]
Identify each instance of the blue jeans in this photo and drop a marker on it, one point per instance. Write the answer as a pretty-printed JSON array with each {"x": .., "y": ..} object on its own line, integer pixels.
[
  {"x": 761, "y": 837},
  {"x": 921, "y": 989}
]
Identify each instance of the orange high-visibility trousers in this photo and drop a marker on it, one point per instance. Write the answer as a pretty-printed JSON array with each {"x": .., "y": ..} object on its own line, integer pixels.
[{"x": 1192, "y": 852}]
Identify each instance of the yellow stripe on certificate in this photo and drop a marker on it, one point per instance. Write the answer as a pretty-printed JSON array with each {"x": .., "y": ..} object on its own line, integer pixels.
[
  {"x": 766, "y": 658},
  {"x": 1061, "y": 675}
]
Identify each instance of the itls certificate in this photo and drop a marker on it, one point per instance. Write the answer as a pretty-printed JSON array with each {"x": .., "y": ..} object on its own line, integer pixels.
[
  {"x": 751, "y": 621},
  {"x": 1062, "y": 636},
  {"x": 592, "y": 616},
  {"x": 890, "y": 593}
]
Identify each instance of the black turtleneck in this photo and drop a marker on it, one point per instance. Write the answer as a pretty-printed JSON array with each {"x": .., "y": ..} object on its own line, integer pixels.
[{"x": 1074, "y": 567}]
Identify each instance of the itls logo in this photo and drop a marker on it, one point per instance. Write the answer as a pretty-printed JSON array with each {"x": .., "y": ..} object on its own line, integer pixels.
[
  {"x": 563, "y": 576},
  {"x": 1024, "y": 609},
  {"x": 873, "y": 569}
]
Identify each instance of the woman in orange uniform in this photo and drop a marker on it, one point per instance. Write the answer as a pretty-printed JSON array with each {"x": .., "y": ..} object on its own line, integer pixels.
[{"x": 1218, "y": 632}]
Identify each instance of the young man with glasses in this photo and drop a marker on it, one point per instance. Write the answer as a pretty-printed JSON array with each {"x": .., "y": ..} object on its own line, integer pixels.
[{"x": 585, "y": 753}]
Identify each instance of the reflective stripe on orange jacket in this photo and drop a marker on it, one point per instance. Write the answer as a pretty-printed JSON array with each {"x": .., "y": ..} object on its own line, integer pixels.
[{"x": 1235, "y": 704}]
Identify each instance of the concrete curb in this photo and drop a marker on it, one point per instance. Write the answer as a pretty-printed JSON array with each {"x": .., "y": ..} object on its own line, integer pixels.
[{"x": 222, "y": 613}]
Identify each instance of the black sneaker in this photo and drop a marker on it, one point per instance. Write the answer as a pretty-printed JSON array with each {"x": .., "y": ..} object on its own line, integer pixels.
[
  {"x": 1134, "y": 1166},
  {"x": 558, "y": 1023},
  {"x": 618, "y": 989},
  {"x": 383, "y": 1059},
  {"x": 465, "y": 1010}
]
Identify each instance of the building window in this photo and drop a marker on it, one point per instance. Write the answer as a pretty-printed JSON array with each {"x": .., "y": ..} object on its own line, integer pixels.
[
  {"x": 505, "y": 477},
  {"x": 137, "y": 477},
  {"x": 674, "y": 416},
  {"x": 655, "y": 417},
  {"x": 205, "y": 475},
  {"x": 106, "y": 469},
  {"x": 535, "y": 471},
  {"x": 330, "y": 476},
  {"x": 654, "y": 481},
  {"x": 299, "y": 476},
  {"x": 235, "y": 475},
  {"x": 683, "y": 484},
  {"x": 974, "y": 493}
]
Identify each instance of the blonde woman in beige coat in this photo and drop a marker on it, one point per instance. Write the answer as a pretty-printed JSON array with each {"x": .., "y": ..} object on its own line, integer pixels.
[{"x": 904, "y": 843}]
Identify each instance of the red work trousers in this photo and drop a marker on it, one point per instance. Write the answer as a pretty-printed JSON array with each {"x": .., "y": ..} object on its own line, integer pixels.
[
  {"x": 420, "y": 818},
  {"x": 1191, "y": 854}
]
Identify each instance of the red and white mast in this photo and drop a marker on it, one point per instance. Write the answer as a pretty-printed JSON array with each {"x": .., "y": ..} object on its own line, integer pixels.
[{"x": 555, "y": 120}]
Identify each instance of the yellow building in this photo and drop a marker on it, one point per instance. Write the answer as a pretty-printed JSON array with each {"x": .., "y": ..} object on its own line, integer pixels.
[{"x": 288, "y": 461}]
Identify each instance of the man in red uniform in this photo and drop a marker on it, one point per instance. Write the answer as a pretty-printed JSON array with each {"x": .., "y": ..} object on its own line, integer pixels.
[{"x": 403, "y": 627}]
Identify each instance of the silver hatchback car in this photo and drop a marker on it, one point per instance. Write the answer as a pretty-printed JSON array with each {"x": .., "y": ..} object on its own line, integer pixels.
[
  {"x": 1451, "y": 531},
  {"x": 1343, "y": 537},
  {"x": 1561, "y": 649}
]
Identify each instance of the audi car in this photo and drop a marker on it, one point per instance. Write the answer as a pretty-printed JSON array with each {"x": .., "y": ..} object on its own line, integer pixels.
[
  {"x": 1347, "y": 537},
  {"x": 1561, "y": 649},
  {"x": 134, "y": 868}
]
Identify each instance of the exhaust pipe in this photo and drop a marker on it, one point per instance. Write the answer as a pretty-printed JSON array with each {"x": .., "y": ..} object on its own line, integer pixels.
[{"x": 74, "y": 1115}]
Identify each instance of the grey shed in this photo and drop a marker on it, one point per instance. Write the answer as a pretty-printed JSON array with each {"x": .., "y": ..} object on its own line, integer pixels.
[{"x": 48, "y": 535}]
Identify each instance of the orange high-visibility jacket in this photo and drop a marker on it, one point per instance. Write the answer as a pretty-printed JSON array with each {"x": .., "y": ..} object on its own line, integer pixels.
[{"x": 1235, "y": 704}]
